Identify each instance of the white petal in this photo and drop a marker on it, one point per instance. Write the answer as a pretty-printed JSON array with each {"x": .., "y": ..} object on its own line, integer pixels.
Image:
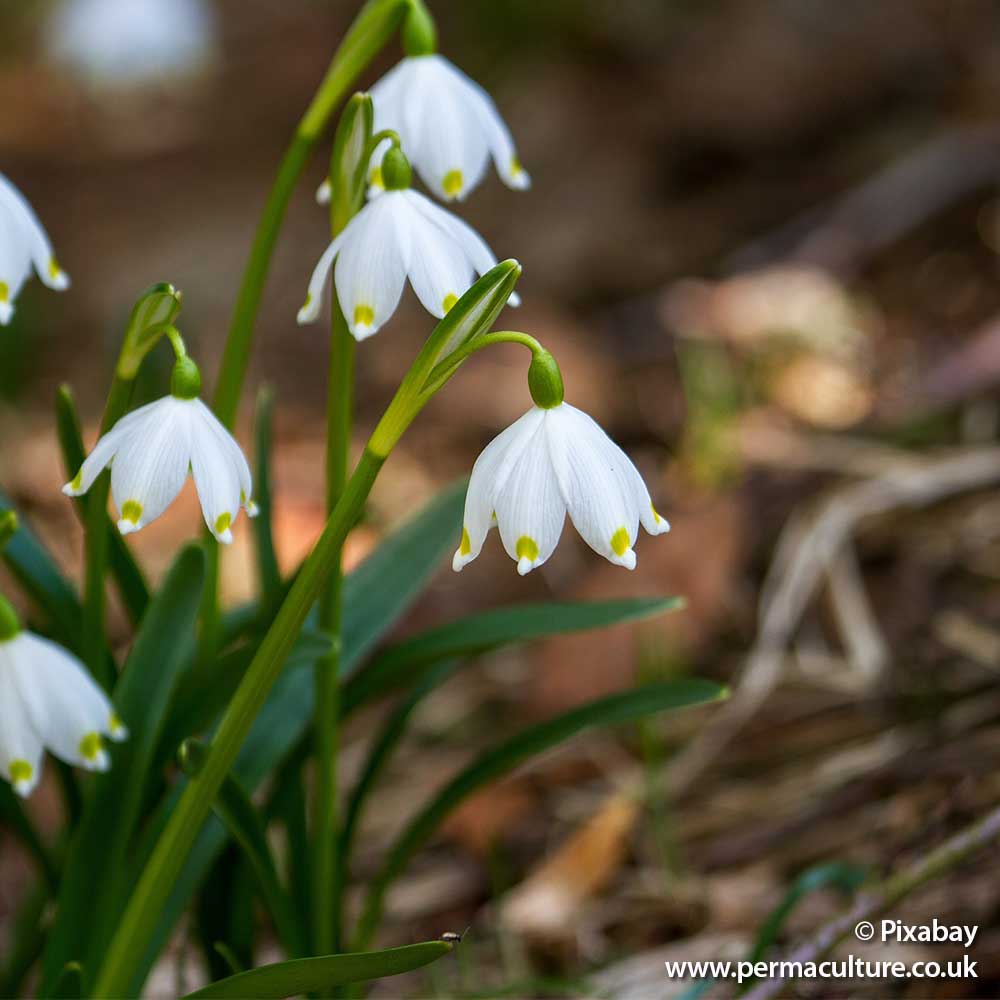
[
  {"x": 66, "y": 708},
  {"x": 34, "y": 234},
  {"x": 324, "y": 192},
  {"x": 489, "y": 476},
  {"x": 217, "y": 474},
  {"x": 651, "y": 520},
  {"x": 321, "y": 272},
  {"x": 152, "y": 462},
  {"x": 20, "y": 746},
  {"x": 106, "y": 449},
  {"x": 15, "y": 262},
  {"x": 371, "y": 268},
  {"x": 592, "y": 474},
  {"x": 529, "y": 507},
  {"x": 440, "y": 271},
  {"x": 448, "y": 147},
  {"x": 494, "y": 130}
]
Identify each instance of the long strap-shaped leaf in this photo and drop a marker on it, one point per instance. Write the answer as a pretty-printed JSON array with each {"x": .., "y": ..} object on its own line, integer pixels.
[
  {"x": 89, "y": 902},
  {"x": 480, "y": 633},
  {"x": 492, "y": 764},
  {"x": 320, "y": 975},
  {"x": 376, "y": 595}
]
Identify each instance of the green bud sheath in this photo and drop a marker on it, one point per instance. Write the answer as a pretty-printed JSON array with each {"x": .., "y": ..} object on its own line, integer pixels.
[
  {"x": 9, "y": 623},
  {"x": 545, "y": 381},
  {"x": 185, "y": 382},
  {"x": 419, "y": 33},
  {"x": 396, "y": 171}
]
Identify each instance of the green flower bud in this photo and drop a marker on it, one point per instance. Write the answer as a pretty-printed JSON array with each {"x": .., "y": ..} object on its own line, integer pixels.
[
  {"x": 10, "y": 625},
  {"x": 185, "y": 382},
  {"x": 545, "y": 381},
  {"x": 419, "y": 33},
  {"x": 396, "y": 171}
]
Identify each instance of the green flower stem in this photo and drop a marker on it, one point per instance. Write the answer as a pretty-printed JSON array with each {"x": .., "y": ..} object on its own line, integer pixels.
[
  {"x": 325, "y": 870},
  {"x": 372, "y": 28},
  {"x": 96, "y": 547},
  {"x": 157, "y": 880},
  {"x": 443, "y": 371}
]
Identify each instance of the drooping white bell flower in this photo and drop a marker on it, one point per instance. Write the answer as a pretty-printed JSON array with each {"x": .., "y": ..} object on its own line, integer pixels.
[
  {"x": 23, "y": 244},
  {"x": 127, "y": 42},
  {"x": 448, "y": 125},
  {"x": 48, "y": 701},
  {"x": 549, "y": 462},
  {"x": 401, "y": 235},
  {"x": 150, "y": 451}
]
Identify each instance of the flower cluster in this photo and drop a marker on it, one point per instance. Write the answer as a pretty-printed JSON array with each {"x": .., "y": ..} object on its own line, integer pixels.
[{"x": 553, "y": 461}]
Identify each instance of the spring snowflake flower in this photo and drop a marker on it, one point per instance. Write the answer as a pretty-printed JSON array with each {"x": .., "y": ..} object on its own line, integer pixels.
[
  {"x": 48, "y": 702},
  {"x": 401, "y": 235},
  {"x": 150, "y": 451},
  {"x": 549, "y": 462},
  {"x": 23, "y": 244},
  {"x": 127, "y": 42},
  {"x": 448, "y": 125}
]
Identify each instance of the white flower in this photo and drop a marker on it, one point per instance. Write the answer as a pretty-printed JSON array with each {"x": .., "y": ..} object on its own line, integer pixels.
[
  {"x": 401, "y": 235},
  {"x": 23, "y": 244},
  {"x": 127, "y": 42},
  {"x": 448, "y": 125},
  {"x": 150, "y": 451},
  {"x": 48, "y": 701},
  {"x": 548, "y": 462}
]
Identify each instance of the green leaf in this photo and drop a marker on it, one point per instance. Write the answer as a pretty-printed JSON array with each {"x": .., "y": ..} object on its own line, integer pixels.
[
  {"x": 90, "y": 901},
  {"x": 125, "y": 571},
  {"x": 69, "y": 986},
  {"x": 375, "y": 596},
  {"x": 492, "y": 764},
  {"x": 320, "y": 975},
  {"x": 8, "y": 527},
  {"x": 378, "y": 757},
  {"x": 481, "y": 633},
  {"x": 39, "y": 577},
  {"x": 267, "y": 562},
  {"x": 836, "y": 875},
  {"x": 240, "y": 816}
]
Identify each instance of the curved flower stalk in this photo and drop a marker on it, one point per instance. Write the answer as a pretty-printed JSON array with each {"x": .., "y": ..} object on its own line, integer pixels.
[
  {"x": 398, "y": 236},
  {"x": 23, "y": 244},
  {"x": 128, "y": 42},
  {"x": 555, "y": 460},
  {"x": 48, "y": 701},
  {"x": 151, "y": 450}
]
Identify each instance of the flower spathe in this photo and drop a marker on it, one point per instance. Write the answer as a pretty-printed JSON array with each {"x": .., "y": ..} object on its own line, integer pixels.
[
  {"x": 549, "y": 463},
  {"x": 48, "y": 701},
  {"x": 24, "y": 245},
  {"x": 448, "y": 125},
  {"x": 151, "y": 450},
  {"x": 400, "y": 235}
]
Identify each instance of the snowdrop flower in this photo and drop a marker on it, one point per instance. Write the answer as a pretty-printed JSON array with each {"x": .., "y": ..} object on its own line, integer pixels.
[
  {"x": 553, "y": 460},
  {"x": 48, "y": 701},
  {"x": 23, "y": 244},
  {"x": 127, "y": 42},
  {"x": 448, "y": 125},
  {"x": 401, "y": 235},
  {"x": 150, "y": 451}
]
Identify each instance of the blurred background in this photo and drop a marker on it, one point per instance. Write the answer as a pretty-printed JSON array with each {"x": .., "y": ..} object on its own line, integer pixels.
[{"x": 762, "y": 241}]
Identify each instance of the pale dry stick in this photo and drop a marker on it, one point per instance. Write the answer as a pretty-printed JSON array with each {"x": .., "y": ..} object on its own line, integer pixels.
[
  {"x": 809, "y": 544},
  {"x": 867, "y": 650},
  {"x": 877, "y": 901}
]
